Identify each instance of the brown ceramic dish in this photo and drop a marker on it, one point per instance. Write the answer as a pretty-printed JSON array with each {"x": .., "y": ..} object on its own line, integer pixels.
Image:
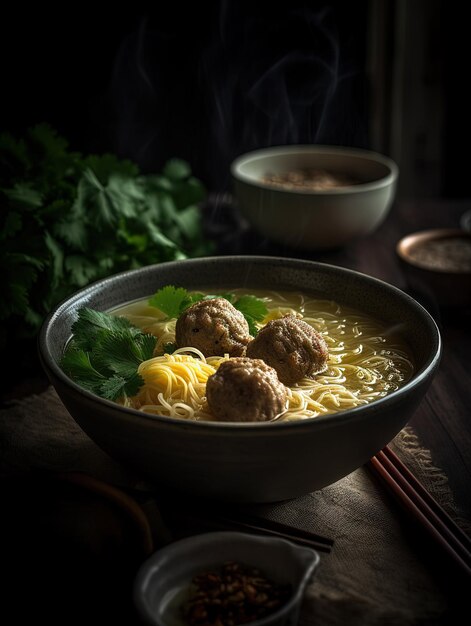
[
  {"x": 436, "y": 264},
  {"x": 246, "y": 461}
]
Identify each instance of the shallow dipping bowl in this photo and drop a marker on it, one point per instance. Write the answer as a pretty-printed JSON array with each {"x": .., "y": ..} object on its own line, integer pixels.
[
  {"x": 237, "y": 461},
  {"x": 163, "y": 581},
  {"x": 447, "y": 287}
]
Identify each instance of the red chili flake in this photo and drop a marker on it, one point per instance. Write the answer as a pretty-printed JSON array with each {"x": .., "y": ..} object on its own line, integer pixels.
[{"x": 233, "y": 594}]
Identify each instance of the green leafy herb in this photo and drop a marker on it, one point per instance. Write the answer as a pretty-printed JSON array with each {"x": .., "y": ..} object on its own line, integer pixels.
[
  {"x": 174, "y": 300},
  {"x": 253, "y": 309},
  {"x": 91, "y": 323},
  {"x": 105, "y": 353},
  {"x": 169, "y": 347},
  {"x": 170, "y": 300},
  {"x": 68, "y": 219},
  {"x": 77, "y": 364}
]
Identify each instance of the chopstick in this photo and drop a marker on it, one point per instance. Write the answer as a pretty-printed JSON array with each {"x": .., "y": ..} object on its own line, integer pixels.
[
  {"x": 423, "y": 507},
  {"x": 283, "y": 531},
  {"x": 248, "y": 522}
]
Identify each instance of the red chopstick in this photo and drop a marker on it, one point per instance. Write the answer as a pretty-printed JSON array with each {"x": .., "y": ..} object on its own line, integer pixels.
[
  {"x": 428, "y": 498},
  {"x": 424, "y": 508}
]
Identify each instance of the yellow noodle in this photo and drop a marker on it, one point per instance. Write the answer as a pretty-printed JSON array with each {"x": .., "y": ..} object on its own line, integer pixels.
[{"x": 366, "y": 361}]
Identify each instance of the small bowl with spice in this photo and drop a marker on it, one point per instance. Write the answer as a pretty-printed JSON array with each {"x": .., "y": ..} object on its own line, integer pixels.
[
  {"x": 225, "y": 578},
  {"x": 437, "y": 265},
  {"x": 314, "y": 197}
]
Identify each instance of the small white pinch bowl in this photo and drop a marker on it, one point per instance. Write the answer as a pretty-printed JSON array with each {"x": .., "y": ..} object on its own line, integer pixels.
[{"x": 161, "y": 581}]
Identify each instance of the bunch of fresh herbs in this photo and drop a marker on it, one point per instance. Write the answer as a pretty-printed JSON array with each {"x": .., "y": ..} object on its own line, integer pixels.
[{"x": 68, "y": 219}]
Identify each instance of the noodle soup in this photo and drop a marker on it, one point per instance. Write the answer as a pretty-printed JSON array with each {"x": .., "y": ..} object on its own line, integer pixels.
[{"x": 366, "y": 360}]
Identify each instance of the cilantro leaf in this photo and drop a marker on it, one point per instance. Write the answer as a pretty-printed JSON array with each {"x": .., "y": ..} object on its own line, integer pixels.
[
  {"x": 194, "y": 297},
  {"x": 20, "y": 272},
  {"x": 14, "y": 301},
  {"x": 253, "y": 309},
  {"x": 57, "y": 255},
  {"x": 73, "y": 231},
  {"x": 253, "y": 329},
  {"x": 23, "y": 195},
  {"x": 106, "y": 163},
  {"x": 187, "y": 221},
  {"x": 113, "y": 388},
  {"x": 118, "y": 386},
  {"x": 105, "y": 353},
  {"x": 251, "y": 306},
  {"x": 80, "y": 269},
  {"x": 170, "y": 300},
  {"x": 51, "y": 143},
  {"x": 90, "y": 322},
  {"x": 76, "y": 363},
  {"x": 176, "y": 169},
  {"x": 122, "y": 351},
  {"x": 173, "y": 301}
]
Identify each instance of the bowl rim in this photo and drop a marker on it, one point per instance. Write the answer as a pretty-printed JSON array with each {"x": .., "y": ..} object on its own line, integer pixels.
[
  {"x": 356, "y": 153},
  {"x": 414, "y": 239},
  {"x": 148, "y": 568},
  {"x": 48, "y": 362}
]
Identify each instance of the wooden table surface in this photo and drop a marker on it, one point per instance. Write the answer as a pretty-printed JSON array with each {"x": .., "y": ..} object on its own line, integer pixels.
[{"x": 443, "y": 420}]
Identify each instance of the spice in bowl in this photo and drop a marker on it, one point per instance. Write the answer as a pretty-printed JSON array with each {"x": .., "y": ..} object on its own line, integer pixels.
[
  {"x": 232, "y": 594},
  {"x": 451, "y": 254},
  {"x": 309, "y": 180},
  {"x": 437, "y": 266}
]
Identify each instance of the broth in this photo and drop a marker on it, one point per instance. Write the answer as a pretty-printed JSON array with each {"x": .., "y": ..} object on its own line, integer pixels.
[{"x": 366, "y": 360}]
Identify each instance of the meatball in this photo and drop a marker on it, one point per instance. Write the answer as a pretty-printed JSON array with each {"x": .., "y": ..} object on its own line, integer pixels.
[
  {"x": 213, "y": 326},
  {"x": 292, "y": 347},
  {"x": 245, "y": 390}
]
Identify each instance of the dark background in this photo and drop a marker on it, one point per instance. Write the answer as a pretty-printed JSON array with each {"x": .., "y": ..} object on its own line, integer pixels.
[{"x": 207, "y": 81}]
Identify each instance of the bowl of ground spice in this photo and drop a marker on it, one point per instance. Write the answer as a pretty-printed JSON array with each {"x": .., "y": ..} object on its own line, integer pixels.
[
  {"x": 224, "y": 579},
  {"x": 312, "y": 197},
  {"x": 437, "y": 264}
]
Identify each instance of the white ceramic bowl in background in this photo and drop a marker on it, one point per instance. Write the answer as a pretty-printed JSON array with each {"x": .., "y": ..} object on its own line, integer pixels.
[
  {"x": 309, "y": 219},
  {"x": 163, "y": 578}
]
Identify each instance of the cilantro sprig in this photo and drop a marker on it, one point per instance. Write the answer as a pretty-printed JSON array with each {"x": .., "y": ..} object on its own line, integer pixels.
[
  {"x": 68, "y": 219},
  {"x": 105, "y": 352},
  {"x": 253, "y": 309},
  {"x": 173, "y": 301}
]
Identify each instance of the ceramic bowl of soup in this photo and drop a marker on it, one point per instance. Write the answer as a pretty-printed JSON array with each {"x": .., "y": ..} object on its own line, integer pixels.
[
  {"x": 314, "y": 197},
  {"x": 383, "y": 350}
]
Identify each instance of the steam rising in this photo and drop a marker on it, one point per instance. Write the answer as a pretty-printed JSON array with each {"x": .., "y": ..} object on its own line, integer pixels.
[{"x": 262, "y": 75}]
